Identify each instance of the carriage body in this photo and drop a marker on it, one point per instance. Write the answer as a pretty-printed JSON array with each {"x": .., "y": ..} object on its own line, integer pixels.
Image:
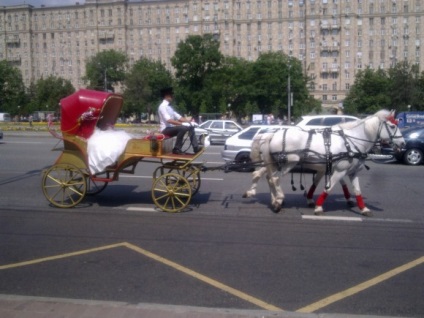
[{"x": 67, "y": 182}]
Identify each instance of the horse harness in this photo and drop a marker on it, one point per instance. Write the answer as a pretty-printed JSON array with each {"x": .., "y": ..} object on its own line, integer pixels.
[{"x": 281, "y": 157}]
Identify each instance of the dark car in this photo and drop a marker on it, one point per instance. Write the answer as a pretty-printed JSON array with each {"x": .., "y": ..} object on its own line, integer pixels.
[
  {"x": 1, "y": 134},
  {"x": 413, "y": 151}
]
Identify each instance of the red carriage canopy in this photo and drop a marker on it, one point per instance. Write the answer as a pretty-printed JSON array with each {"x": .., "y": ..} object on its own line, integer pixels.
[{"x": 83, "y": 110}]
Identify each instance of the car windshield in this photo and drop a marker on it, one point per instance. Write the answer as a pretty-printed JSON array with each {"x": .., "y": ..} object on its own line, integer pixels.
[
  {"x": 206, "y": 124},
  {"x": 331, "y": 121},
  {"x": 314, "y": 122},
  {"x": 249, "y": 134},
  {"x": 268, "y": 130}
]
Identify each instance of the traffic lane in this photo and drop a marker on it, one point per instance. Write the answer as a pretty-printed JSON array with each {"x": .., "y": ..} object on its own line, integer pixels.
[
  {"x": 287, "y": 263},
  {"x": 390, "y": 190}
]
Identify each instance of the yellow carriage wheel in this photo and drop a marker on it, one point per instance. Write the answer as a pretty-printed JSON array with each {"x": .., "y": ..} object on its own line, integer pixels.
[
  {"x": 64, "y": 185},
  {"x": 171, "y": 192},
  {"x": 191, "y": 173}
]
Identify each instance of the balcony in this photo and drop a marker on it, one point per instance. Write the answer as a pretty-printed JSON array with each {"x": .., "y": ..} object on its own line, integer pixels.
[
  {"x": 106, "y": 35},
  {"x": 12, "y": 39},
  {"x": 15, "y": 60}
]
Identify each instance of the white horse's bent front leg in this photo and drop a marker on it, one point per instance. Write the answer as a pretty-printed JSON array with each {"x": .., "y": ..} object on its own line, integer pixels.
[
  {"x": 359, "y": 200},
  {"x": 256, "y": 176}
]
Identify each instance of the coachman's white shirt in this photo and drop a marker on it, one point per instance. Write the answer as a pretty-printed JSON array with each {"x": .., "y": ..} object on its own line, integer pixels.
[{"x": 166, "y": 112}]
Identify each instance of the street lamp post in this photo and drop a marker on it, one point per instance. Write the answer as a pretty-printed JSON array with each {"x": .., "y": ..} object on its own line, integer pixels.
[{"x": 289, "y": 96}]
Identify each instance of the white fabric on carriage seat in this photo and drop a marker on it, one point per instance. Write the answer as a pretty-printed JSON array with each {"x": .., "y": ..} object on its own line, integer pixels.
[{"x": 104, "y": 148}]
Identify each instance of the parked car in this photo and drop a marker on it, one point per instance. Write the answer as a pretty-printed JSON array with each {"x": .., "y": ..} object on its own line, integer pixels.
[
  {"x": 1, "y": 134},
  {"x": 413, "y": 151},
  {"x": 237, "y": 147},
  {"x": 201, "y": 134},
  {"x": 220, "y": 130},
  {"x": 322, "y": 121}
]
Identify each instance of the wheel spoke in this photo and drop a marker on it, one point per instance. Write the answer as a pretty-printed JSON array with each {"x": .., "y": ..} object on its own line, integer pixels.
[{"x": 171, "y": 192}]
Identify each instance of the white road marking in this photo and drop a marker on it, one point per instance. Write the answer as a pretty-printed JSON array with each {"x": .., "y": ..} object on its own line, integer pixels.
[
  {"x": 331, "y": 218},
  {"x": 141, "y": 209}
]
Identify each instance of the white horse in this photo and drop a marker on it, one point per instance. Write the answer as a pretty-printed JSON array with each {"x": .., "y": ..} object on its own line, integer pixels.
[
  {"x": 260, "y": 153},
  {"x": 341, "y": 152}
]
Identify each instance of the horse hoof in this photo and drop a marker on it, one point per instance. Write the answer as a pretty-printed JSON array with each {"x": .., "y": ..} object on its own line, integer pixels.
[
  {"x": 311, "y": 203},
  {"x": 319, "y": 210},
  {"x": 350, "y": 203},
  {"x": 366, "y": 212},
  {"x": 244, "y": 195},
  {"x": 276, "y": 208}
]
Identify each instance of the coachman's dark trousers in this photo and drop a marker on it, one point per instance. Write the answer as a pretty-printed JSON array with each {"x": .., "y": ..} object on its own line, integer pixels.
[{"x": 180, "y": 131}]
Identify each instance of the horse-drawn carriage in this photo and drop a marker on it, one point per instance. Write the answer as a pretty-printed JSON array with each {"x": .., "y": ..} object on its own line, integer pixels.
[{"x": 87, "y": 116}]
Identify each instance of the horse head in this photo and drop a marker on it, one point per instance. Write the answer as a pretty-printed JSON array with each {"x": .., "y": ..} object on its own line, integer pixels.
[{"x": 388, "y": 131}]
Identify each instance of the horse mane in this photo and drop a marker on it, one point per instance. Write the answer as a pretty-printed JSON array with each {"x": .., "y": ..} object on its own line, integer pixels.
[
  {"x": 349, "y": 124},
  {"x": 382, "y": 115}
]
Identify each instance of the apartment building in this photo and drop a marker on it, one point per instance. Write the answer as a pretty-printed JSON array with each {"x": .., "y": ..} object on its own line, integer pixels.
[{"x": 332, "y": 38}]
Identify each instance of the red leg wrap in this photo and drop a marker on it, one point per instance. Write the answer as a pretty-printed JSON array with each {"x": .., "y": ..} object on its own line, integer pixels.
[
  {"x": 311, "y": 191},
  {"x": 346, "y": 192},
  {"x": 321, "y": 199},
  {"x": 360, "y": 202}
]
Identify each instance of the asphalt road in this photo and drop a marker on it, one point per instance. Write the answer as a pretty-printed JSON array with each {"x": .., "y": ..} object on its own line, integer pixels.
[{"x": 223, "y": 252}]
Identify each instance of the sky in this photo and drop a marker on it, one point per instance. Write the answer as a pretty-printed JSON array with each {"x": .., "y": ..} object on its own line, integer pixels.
[{"x": 38, "y": 3}]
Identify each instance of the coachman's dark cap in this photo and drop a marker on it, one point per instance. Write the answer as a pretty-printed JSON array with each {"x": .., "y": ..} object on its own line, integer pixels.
[{"x": 166, "y": 91}]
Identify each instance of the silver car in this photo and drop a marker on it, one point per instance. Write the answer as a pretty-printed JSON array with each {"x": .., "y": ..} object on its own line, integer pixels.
[
  {"x": 220, "y": 130},
  {"x": 237, "y": 147}
]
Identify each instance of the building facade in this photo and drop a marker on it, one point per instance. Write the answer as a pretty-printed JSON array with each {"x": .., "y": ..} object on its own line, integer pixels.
[{"x": 332, "y": 38}]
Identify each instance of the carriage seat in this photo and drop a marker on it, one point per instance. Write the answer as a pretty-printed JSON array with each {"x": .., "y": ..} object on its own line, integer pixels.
[{"x": 158, "y": 137}]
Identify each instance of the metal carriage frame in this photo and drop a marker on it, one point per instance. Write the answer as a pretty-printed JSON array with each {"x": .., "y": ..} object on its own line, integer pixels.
[{"x": 69, "y": 180}]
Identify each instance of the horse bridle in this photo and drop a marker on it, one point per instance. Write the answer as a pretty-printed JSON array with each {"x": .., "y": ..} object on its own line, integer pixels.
[{"x": 392, "y": 137}]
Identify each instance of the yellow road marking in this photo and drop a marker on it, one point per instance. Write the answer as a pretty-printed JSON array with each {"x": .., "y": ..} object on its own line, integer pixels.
[
  {"x": 204, "y": 278},
  {"x": 160, "y": 259},
  {"x": 358, "y": 288},
  {"x": 52, "y": 258}
]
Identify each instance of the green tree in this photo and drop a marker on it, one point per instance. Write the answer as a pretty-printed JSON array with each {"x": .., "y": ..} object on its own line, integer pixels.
[
  {"x": 404, "y": 87},
  {"x": 143, "y": 84},
  {"x": 232, "y": 85},
  {"x": 47, "y": 93},
  {"x": 105, "y": 70},
  {"x": 195, "y": 59},
  {"x": 369, "y": 93},
  {"x": 12, "y": 89},
  {"x": 270, "y": 76}
]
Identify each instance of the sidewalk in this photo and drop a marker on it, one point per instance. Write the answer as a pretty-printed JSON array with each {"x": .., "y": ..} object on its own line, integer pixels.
[
  {"x": 37, "y": 307},
  {"x": 42, "y": 307}
]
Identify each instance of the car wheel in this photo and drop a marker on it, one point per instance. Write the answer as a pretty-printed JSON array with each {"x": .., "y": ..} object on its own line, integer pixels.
[
  {"x": 413, "y": 157},
  {"x": 243, "y": 159}
]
